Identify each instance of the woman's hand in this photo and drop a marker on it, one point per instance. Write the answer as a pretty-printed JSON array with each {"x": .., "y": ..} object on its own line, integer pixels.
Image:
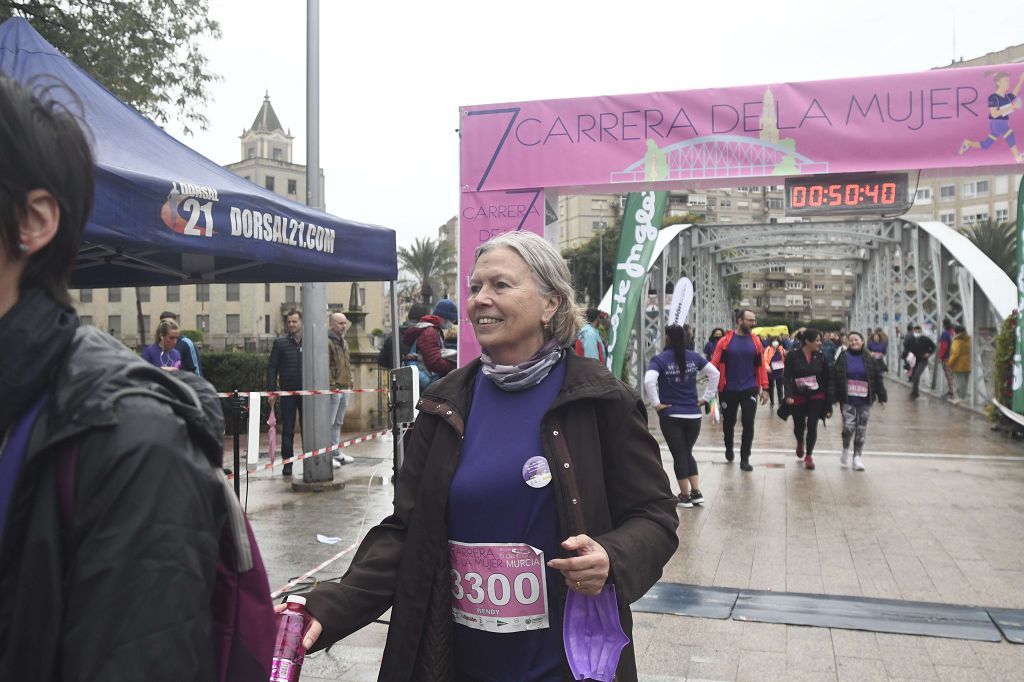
[
  {"x": 312, "y": 632},
  {"x": 701, "y": 402},
  {"x": 587, "y": 572},
  {"x": 661, "y": 406}
]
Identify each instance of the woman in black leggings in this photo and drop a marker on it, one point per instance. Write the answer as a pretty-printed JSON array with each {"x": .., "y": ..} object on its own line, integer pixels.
[
  {"x": 671, "y": 383},
  {"x": 806, "y": 380}
]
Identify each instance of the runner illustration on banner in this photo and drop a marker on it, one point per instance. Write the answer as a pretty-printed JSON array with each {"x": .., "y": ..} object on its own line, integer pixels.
[{"x": 1001, "y": 104}]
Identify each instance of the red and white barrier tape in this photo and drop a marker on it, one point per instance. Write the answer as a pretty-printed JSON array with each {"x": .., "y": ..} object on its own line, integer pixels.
[
  {"x": 314, "y": 453},
  {"x": 311, "y": 392},
  {"x": 295, "y": 581}
]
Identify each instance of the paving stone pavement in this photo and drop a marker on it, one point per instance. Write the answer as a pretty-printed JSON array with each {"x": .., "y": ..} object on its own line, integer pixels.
[{"x": 937, "y": 516}]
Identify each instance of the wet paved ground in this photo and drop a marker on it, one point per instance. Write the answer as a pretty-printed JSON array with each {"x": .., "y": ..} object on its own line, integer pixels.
[{"x": 937, "y": 516}]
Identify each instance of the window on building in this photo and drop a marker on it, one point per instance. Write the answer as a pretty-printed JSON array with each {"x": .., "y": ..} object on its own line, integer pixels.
[
  {"x": 757, "y": 301},
  {"x": 758, "y": 285},
  {"x": 277, "y": 154},
  {"x": 269, "y": 182},
  {"x": 776, "y": 268},
  {"x": 947, "y": 193},
  {"x": 114, "y": 295},
  {"x": 598, "y": 224},
  {"x": 819, "y": 287},
  {"x": 924, "y": 195},
  {"x": 114, "y": 325},
  {"x": 289, "y": 294},
  {"x": 745, "y": 301},
  {"x": 948, "y": 217},
  {"x": 86, "y": 319},
  {"x": 250, "y": 153},
  {"x": 147, "y": 328},
  {"x": 293, "y": 187},
  {"x": 977, "y": 188},
  {"x": 1002, "y": 214},
  {"x": 266, "y": 293},
  {"x": 598, "y": 204},
  {"x": 173, "y": 293},
  {"x": 203, "y": 322},
  {"x": 85, "y": 295},
  {"x": 835, "y": 287},
  {"x": 266, "y": 324},
  {"x": 744, "y": 285},
  {"x": 233, "y": 323},
  {"x": 775, "y": 203},
  {"x": 837, "y": 303},
  {"x": 231, "y": 291},
  {"x": 725, "y": 203},
  {"x": 776, "y": 300},
  {"x": 202, "y": 292},
  {"x": 143, "y": 293}
]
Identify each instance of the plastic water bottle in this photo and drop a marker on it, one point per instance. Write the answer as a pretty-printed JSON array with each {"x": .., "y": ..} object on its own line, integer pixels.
[{"x": 288, "y": 649}]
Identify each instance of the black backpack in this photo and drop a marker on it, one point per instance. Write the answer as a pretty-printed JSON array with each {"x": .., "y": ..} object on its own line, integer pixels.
[{"x": 384, "y": 358}]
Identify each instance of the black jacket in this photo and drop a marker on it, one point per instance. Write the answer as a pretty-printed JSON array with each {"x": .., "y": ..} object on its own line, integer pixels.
[
  {"x": 797, "y": 367},
  {"x": 919, "y": 346},
  {"x": 286, "y": 362},
  {"x": 123, "y": 591},
  {"x": 876, "y": 384},
  {"x": 619, "y": 496}
]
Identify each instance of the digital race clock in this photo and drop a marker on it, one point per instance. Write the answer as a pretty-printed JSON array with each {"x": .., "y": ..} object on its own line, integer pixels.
[{"x": 882, "y": 193}]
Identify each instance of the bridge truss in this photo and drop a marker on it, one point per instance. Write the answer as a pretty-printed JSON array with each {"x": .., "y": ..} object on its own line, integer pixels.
[{"x": 906, "y": 273}]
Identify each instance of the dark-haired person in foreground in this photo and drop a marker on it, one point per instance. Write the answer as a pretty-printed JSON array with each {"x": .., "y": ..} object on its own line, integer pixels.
[{"x": 111, "y": 504}]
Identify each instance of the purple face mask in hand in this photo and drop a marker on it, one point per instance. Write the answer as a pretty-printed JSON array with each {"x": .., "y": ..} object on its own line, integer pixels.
[{"x": 592, "y": 635}]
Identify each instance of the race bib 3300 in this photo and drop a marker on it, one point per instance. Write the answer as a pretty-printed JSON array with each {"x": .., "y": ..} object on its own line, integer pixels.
[{"x": 498, "y": 587}]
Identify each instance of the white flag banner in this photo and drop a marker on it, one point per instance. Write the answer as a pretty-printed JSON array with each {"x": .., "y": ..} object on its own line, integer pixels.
[{"x": 682, "y": 297}]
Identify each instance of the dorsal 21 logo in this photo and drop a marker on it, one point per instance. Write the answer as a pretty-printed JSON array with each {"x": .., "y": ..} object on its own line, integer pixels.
[{"x": 189, "y": 209}]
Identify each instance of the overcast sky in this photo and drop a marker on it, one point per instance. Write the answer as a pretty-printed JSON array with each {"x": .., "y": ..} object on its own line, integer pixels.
[{"x": 393, "y": 74}]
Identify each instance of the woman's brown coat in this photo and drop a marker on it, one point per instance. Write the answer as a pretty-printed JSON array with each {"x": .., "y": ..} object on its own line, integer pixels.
[{"x": 619, "y": 493}]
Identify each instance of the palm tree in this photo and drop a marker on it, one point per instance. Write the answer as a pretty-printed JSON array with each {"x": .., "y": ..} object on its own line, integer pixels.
[
  {"x": 428, "y": 262},
  {"x": 998, "y": 241}
]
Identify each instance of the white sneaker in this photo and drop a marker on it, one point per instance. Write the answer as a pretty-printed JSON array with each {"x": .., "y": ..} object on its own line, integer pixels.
[
  {"x": 857, "y": 464},
  {"x": 336, "y": 464},
  {"x": 844, "y": 458},
  {"x": 341, "y": 458}
]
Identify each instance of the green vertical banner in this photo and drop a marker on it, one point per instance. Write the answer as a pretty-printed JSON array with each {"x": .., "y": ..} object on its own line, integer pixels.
[
  {"x": 1018, "y": 354},
  {"x": 641, "y": 221}
]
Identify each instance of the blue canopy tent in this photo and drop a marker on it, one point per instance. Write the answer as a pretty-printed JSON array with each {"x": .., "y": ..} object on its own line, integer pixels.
[{"x": 166, "y": 214}]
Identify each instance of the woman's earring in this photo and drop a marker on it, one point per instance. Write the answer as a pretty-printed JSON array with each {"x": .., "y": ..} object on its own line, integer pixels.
[
  {"x": 547, "y": 326},
  {"x": 23, "y": 247}
]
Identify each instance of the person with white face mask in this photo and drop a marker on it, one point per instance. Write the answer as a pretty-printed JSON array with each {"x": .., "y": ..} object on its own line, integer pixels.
[
  {"x": 774, "y": 364},
  {"x": 922, "y": 348}
]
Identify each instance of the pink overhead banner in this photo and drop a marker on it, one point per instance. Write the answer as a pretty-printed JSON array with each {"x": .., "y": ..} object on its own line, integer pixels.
[
  {"x": 483, "y": 216},
  {"x": 936, "y": 120}
]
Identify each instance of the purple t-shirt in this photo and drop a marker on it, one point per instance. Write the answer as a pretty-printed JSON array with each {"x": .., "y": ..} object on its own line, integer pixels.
[
  {"x": 490, "y": 502},
  {"x": 855, "y": 371},
  {"x": 158, "y": 357},
  {"x": 12, "y": 457},
  {"x": 740, "y": 361},
  {"x": 677, "y": 389}
]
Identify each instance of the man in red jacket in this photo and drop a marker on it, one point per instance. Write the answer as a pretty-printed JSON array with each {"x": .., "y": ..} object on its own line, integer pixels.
[{"x": 738, "y": 359}]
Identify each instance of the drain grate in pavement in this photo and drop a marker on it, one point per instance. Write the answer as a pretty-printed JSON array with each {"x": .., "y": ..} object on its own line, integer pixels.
[
  {"x": 861, "y": 613},
  {"x": 688, "y": 600},
  {"x": 836, "y": 611},
  {"x": 1010, "y": 622}
]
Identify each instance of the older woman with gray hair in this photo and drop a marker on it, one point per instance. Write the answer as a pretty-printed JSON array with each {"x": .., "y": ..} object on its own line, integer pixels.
[{"x": 530, "y": 484}]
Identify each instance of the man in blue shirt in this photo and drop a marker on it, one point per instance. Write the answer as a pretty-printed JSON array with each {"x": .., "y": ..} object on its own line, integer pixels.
[{"x": 743, "y": 382}]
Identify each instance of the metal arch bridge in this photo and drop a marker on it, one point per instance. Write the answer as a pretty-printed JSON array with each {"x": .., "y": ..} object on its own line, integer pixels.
[
  {"x": 906, "y": 273},
  {"x": 723, "y": 156}
]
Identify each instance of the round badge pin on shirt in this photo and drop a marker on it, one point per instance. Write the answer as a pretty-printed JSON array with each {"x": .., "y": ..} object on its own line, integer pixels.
[{"x": 536, "y": 472}]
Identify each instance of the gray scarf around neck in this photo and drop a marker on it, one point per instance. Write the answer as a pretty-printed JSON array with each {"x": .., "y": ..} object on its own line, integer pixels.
[{"x": 526, "y": 374}]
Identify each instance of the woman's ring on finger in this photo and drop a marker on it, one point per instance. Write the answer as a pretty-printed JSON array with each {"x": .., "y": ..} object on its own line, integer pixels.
[{"x": 578, "y": 584}]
